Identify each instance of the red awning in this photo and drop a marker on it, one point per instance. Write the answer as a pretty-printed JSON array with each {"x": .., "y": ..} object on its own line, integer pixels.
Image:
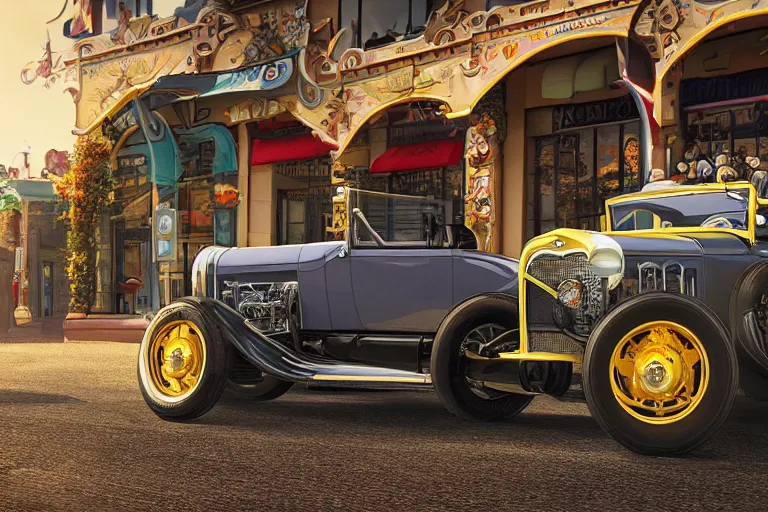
[
  {"x": 425, "y": 155},
  {"x": 302, "y": 147}
]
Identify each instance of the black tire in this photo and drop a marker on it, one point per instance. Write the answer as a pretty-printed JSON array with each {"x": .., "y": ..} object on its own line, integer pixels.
[
  {"x": 690, "y": 431},
  {"x": 215, "y": 370},
  {"x": 445, "y": 367},
  {"x": 753, "y": 384},
  {"x": 749, "y": 293},
  {"x": 249, "y": 383}
]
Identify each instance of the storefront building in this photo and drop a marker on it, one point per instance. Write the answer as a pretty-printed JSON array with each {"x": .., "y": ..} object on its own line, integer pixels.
[
  {"x": 516, "y": 117},
  {"x": 35, "y": 237}
]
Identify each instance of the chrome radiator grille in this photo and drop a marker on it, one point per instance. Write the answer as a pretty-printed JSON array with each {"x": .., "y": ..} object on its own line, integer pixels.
[
  {"x": 553, "y": 270},
  {"x": 554, "y": 342}
]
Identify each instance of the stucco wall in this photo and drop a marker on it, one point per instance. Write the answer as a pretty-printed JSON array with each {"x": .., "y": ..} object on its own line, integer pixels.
[{"x": 42, "y": 118}]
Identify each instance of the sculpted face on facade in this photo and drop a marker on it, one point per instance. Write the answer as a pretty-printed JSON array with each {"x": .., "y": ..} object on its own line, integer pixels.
[{"x": 314, "y": 72}]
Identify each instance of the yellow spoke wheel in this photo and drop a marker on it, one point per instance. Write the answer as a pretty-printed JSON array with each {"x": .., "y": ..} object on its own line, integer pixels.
[
  {"x": 659, "y": 372},
  {"x": 176, "y": 356}
]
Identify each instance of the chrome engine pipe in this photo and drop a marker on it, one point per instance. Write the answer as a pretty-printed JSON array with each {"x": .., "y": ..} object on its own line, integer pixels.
[{"x": 273, "y": 358}]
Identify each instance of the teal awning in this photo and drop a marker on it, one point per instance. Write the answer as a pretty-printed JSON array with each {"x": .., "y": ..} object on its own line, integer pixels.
[
  {"x": 225, "y": 153},
  {"x": 35, "y": 190}
]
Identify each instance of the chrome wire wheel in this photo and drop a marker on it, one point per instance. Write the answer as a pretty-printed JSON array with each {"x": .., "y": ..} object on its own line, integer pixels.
[
  {"x": 479, "y": 338},
  {"x": 659, "y": 372},
  {"x": 177, "y": 359},
  {"x": 477, "y": 342}
]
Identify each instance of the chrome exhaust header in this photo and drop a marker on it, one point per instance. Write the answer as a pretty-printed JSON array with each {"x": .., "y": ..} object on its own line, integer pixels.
[{"x": 273, "y": 358}]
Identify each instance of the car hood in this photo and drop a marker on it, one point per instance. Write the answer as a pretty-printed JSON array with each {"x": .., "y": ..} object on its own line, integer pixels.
[
  {"x": 681, "y": 244},
  {"x": 285, "y": 257}
]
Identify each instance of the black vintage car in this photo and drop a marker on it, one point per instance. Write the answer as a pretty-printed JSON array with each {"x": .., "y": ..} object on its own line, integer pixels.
[{"x": 650, "y": 317}]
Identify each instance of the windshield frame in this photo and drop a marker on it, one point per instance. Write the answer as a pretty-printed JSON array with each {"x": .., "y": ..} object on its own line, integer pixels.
[{"x": 644, "y": 197}]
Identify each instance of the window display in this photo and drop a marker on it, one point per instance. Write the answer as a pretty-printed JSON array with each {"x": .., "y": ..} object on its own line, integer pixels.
[{"x": 575, "y": 172}]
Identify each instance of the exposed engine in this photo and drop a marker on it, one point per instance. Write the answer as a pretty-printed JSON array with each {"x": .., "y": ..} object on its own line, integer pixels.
[{"x": 267, "y": 306}]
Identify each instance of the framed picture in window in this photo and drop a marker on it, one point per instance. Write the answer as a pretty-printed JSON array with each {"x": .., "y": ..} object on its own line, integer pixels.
[
  {"x": 200, "y": 212},
  {"x": 224, "y": 227}
]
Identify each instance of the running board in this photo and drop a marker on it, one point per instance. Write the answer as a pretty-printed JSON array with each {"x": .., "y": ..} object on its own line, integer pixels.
[{"x": 274, "y": 359}]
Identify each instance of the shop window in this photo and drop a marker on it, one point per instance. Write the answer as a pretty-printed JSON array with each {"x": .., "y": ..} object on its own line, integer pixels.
[
  {"x": 294, "y": 228},
  {"x": 545, "y": 218},
  {"x": 741, "y": 130},
  {"x": 576, "y": 171},
  {"x": 607, "y": 162},
  {"x": 380, "y": 23},
  {"x": 631, "y": 154}
]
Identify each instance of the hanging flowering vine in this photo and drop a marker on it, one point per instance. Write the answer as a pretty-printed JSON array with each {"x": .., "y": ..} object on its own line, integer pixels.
[{"x": 88, "y": 188}]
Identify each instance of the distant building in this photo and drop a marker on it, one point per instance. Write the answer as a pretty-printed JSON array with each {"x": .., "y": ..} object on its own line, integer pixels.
[{"x": 37, "y": 243}]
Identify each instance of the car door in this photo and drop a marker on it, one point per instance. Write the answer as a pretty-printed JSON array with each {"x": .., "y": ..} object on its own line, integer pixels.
[
  {"x": 338, "y": 286},
  {"x": 402, "y": 289}
]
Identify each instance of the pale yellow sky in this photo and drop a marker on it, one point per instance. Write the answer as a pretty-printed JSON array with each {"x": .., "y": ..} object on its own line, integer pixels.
[{"x": 30, "y": 114}]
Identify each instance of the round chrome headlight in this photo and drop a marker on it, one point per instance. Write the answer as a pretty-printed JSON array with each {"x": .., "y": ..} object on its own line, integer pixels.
[{"x": 569, "y": 293}]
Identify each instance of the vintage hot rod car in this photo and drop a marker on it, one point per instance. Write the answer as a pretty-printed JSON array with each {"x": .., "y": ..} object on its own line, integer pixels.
[{"x": 650, "y": 318}]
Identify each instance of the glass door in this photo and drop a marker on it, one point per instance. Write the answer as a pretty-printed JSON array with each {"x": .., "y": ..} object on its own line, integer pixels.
[{"x": 47, "y": 288}]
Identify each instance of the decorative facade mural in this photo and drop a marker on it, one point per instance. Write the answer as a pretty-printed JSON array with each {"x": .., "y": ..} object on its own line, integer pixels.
[
  {"x": 339, "y": 219},
  {"x": 104, "y": 72},
  {"x": 483, "y": 166},
  {"x": 669, "y": 29},
  {"x": 56, "y": 162},
  {"x": 456, "y": 60}
]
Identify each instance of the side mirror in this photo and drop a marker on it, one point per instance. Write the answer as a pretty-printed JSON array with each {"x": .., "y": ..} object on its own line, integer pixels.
[{"x": 666, "y": 224}]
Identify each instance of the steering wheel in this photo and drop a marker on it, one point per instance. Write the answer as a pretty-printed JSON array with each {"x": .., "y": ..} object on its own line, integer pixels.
[{"x": 721, "y": 221}]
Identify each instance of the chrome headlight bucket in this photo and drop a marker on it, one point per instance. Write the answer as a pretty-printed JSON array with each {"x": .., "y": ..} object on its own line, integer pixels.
[
  {"x": 607, "y": 260},
  {"x": 204, "y": 272}
]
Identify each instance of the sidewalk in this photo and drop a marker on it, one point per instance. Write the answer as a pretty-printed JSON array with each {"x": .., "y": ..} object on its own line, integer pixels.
[
  {"x": 98, "y": 327},
  {"x": 47, "y": 330}
]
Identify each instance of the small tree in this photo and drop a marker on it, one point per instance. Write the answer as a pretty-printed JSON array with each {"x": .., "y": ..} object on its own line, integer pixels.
[{"x": 88, "y": 188}]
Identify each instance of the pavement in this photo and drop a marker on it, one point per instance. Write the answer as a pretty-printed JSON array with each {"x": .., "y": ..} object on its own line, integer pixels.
[{"x": 76, "y": 435}]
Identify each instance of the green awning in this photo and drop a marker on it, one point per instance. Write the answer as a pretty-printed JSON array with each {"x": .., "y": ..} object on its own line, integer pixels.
[{"x": 35, "y": 190}]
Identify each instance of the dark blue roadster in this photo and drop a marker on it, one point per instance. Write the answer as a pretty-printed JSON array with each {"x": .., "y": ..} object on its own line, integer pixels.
[{"x": 648, "y": 320}]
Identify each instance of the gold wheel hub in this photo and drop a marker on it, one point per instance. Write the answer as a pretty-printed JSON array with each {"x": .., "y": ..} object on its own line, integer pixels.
[
  {"x": 177, "y": 357},
  {"x": 659, "y": 372}
]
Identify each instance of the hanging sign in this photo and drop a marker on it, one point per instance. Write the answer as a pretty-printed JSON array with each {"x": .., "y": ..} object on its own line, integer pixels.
[{"x": 165, "y": 234}]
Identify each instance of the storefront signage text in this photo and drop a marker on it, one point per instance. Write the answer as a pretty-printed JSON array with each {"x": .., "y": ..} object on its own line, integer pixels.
[
  {"x": 568, "y": 26},
  {"x": 320, "y": 168},
  {"x": 566, "y": 117},
  {"x": 714, "y": 90},
  {"x": 322, "y": 193}
]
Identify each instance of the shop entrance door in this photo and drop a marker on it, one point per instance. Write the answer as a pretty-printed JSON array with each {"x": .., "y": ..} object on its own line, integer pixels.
[
  {"x": 47, "y": 288},
  {"x": 302, "y": 218}
]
